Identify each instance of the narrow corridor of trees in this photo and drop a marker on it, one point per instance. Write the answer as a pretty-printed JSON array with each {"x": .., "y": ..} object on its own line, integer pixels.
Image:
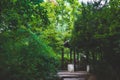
[{"x": 33, "y": 33}]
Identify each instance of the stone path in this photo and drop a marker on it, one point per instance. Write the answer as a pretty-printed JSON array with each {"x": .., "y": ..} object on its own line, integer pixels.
[
  {"x": 79, "y": 75},
  {"x": 74, "y": 79}
]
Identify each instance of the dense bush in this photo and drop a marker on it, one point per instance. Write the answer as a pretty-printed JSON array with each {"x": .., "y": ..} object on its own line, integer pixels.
[
  {"x": 105, "y": 71},
  {"x": 23, "y": 56}
]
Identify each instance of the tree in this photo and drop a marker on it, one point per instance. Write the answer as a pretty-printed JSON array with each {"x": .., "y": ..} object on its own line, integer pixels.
[
  {"x": 96, "y": 33},
  {"x": 23, "y": 53},
  {"x": 61, "y": 17}
]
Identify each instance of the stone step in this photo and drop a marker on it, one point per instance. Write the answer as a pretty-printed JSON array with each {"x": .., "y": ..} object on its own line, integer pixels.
[
  {"x": 74, "y": 78},
  {"x": 79, "y": 75}
]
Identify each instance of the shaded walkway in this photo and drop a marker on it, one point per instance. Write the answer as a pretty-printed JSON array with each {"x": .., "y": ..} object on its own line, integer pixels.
[{"x": 78, "y": 75}]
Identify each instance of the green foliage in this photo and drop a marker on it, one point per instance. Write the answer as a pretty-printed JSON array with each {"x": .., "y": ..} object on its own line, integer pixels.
[
  {"x": 25, "y": 57},
  {"x": 96, "y": 32},
  {"x": 61, "y": 17},
  {"x": 23, "y": 12},
  {"x": 29, "y": 27}
]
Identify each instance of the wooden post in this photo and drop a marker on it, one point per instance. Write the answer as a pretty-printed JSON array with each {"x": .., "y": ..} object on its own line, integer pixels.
[
  {"x": 70, "y": 55},
  {"x": 62, "y": 57},
  {"x": 77, "y": 59},
  {"x": 87, "y": 57},
  {"x": 74, "y": 59}
]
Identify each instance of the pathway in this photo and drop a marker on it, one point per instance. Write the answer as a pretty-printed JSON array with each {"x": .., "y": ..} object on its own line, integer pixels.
[
  {"x": 74, "y": 79},
  {"x": 79, "y": 75}
]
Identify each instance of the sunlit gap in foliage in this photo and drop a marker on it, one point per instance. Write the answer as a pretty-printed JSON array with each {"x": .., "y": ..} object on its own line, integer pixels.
[
  {"x": 91, "y": 1},
  {"x": 53, "y": 1},
  {"x": 99, "y": 3}
]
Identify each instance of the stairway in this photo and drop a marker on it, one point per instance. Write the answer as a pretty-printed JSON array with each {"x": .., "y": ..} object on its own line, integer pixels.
[
  {"x": 78, "y": 75},
  {"x": 74, "y": 79}
]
